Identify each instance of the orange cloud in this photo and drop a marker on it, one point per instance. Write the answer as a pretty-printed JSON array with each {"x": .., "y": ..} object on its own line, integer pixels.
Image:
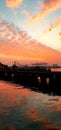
[
  {"x": 56, "y": 25},
  {"x": 47, "y": 6},
  {"x": 60, "y": 34},
  {"x": 53, "y": 27},
  {"x": 17, "y": 45},
  {"x": 14, "y": 3}
]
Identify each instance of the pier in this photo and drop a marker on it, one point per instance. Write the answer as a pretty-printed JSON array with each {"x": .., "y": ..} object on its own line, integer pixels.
[{"x": 43, "y": 80}]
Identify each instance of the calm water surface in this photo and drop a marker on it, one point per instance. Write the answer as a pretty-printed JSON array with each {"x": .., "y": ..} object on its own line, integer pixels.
[{"x": 24, "y": 109}]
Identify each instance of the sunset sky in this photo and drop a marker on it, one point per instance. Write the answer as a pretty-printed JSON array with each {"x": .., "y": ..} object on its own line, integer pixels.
[{"x": 30, "y": 31}]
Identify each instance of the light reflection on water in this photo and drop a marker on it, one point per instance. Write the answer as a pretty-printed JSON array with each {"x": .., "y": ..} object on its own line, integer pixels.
[{"x": 21, "y": 108}]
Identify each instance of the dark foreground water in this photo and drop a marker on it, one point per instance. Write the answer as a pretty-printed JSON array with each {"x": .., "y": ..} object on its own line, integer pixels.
[{"x": 24, "y": 109}]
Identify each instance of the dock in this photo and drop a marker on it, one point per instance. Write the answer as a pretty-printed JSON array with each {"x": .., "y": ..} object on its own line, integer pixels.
[{"x": 41, "y": 80}]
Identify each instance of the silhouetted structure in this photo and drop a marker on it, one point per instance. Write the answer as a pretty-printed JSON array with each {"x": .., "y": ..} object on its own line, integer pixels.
[{"x": 38, "y": 78}]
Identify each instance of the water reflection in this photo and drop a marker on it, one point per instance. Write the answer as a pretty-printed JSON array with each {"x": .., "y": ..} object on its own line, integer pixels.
[
  {"x": 21, "y": 109},
  {"x": 47, "y": 81}
]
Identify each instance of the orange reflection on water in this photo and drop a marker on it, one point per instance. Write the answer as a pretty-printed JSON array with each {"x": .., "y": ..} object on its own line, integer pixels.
[
  {"x": 48, "y": 125},
  {"x": 9, "y": 128},
  {"x": 54, "y": 104},
  {"x": 32, "y": 113},
  {"x": 35, "y": 106},
  {"x": 12, "y": 96}
]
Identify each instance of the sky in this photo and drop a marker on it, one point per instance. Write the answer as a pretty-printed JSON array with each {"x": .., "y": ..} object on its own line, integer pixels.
[{"x": 30, "y": 31}]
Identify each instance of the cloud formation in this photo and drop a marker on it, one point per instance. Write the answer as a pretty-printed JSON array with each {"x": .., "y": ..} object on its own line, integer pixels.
[
  {"x": 18, "y": 45},
  {"x": 56, "y": 25},
  {"x": 46, "y": 7},
  {"x": 53, "y": 26},
  {"x": 60, "y": 37},
  {"x": 60, "y": 34},
  {"x": 14, "y": 3}
]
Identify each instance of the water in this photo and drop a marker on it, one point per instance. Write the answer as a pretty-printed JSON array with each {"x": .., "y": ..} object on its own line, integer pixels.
[{"x": 24, "y": 109}]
